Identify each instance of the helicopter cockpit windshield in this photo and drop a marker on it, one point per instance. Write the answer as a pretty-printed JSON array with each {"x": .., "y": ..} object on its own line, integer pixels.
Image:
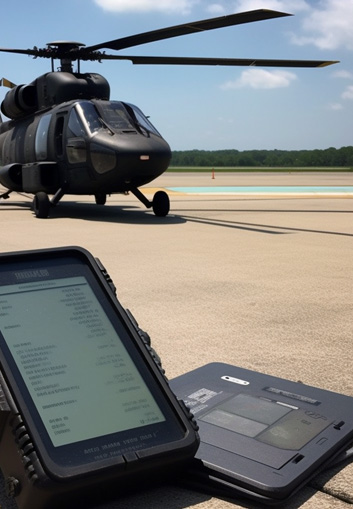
[
  {"x": 115, "y": 116},
  {"x": 86, "y": 118},
  {"x": 125, "y": 117}
]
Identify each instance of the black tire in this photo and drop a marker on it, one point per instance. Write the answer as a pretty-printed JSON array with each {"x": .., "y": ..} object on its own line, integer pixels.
[
  {"x": 161, "y": 204},
  {"x": 41, "y": 205},
  {"x": 100, "y": 198}
]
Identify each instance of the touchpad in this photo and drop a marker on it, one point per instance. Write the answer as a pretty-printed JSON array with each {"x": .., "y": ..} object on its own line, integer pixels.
[{"x": 260, "y": 429}]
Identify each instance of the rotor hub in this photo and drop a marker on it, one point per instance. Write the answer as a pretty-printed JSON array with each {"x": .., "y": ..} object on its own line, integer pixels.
[
  {"x": 65, "y": 45},
  {"x": 66, "y": 51}
]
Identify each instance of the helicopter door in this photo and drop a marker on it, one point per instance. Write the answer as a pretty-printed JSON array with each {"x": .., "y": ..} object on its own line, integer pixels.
[
  {"x": 41, "y": 139},
  {"x": 58, "y": 136}
]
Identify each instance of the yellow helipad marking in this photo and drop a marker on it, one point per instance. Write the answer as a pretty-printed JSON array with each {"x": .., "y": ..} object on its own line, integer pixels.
[{"x": 152, "y": 190}]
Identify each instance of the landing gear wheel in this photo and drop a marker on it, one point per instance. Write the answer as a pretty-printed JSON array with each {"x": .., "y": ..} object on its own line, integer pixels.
[
  {"x": 161, "y": 204},
  {"x": 41, "y": 205},
  {"x": 100, "y": 198}
]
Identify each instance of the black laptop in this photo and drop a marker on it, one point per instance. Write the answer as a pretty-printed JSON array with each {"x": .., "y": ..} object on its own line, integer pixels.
[{"x": 262, "y": 437}]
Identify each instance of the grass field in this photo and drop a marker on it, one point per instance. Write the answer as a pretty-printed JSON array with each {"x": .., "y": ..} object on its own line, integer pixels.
[{"x": 241, "y": 169}]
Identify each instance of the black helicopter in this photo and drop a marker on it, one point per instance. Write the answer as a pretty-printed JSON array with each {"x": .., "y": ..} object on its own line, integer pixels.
[{"x": 65, "y": 135}]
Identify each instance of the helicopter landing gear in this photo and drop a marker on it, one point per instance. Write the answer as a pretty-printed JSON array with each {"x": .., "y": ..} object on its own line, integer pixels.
[
  {"x": 161, "y": 204},
  {"x": 101, "y": 198},
  {"x": 6, "y": 195},
  {"x": 41, "y": 205}
]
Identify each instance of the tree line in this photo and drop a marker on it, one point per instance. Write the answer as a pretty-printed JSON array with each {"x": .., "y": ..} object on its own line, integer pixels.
[{"x": 331, "y": 157}]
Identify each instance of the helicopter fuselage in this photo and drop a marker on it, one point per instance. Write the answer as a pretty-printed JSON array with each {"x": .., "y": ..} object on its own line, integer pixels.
[
  {"x": 63, "y": 147},
  {"x": 82, "y": 146}
]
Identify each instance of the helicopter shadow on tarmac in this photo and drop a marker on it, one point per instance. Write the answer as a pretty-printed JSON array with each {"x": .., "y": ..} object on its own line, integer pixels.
[
  {"x": 127, "y": 214},
  {"x": 209, "y": 216},
  {"x": 131, "y": 214},
  {"x": 262, "y": 228}
]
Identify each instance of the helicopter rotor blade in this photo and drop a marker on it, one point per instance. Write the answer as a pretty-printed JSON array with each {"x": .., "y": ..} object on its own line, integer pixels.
[
  {"x": 252, "y": 62},
  {"x": 187, "y": 28},
  {"x": 4, "y": 82},
  {"x": 77, "y": 51},
  {"x": 32, "y": 52}
]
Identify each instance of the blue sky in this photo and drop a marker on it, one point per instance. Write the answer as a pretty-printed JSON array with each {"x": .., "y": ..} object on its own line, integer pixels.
[{"x": 208, "y": 107}]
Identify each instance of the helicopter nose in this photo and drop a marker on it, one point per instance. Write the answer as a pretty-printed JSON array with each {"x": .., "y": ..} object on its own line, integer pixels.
[
  {"x": 103, "y": 158},
  {"x": 136, "y": 158}
]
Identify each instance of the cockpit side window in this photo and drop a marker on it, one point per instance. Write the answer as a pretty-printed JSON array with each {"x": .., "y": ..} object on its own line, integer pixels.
[
  {"x": 141, "y": 119},
  {"x": 84, "y": 120},
  {"x": 76, "y": 146},
  {"x": 75, "y": 125},
  {"x": 90, "y": 116}
]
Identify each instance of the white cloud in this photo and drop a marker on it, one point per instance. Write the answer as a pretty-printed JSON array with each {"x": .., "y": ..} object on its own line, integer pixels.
[
  {"x": 290, "y": 6},
  {"x": 328, "y": 26},
  {"x": 166, "y": 6},
  {"x": 335, "y": 106},
  {"x": 223, "y": 120},
  {"x": 348, "y": 93},
  {"x": 343, "y": 74},
  {"x": 216, "y": 9},
  {"x": 261, "y": 79}
]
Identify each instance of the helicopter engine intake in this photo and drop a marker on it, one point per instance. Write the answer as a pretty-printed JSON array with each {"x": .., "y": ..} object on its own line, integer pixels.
[{"x": 20, "y": 101}]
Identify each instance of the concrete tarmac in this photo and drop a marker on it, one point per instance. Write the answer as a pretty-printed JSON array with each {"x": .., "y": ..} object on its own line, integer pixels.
[{"x": 262, "y": 282}]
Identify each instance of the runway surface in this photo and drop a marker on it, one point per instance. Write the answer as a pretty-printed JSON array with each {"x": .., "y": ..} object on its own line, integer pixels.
[{"x": 262, "y": 282}]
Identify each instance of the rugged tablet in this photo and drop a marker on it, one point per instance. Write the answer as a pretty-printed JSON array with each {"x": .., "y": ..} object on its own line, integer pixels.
[
  {"x": 84, "y": 401},
  {"x": 261, "y": 437}
]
